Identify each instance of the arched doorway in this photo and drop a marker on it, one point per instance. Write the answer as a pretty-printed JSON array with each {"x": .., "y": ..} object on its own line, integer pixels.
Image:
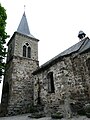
[{"x": 5, "y": 97}]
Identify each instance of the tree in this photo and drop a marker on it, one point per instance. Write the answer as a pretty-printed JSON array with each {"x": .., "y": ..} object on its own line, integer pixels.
[{"x": 3, "y": 37}]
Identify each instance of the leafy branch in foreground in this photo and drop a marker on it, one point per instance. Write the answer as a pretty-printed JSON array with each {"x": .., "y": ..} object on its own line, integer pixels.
[{"x": 3, "y": 37}]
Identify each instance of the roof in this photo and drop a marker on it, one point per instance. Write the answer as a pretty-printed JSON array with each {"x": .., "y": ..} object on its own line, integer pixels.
[
  {"x": 23, "y": 27},
  {"x": 78, "y": 48}
]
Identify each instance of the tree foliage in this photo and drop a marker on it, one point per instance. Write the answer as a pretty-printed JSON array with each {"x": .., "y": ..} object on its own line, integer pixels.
[{"x": 3, "y": 37}]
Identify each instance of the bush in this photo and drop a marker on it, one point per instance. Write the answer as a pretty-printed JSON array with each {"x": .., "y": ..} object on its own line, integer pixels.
[
  {"x": 37, "y": 115},
  {"x": 57, "y": 115},
  {"x": 87, "y": 110}
]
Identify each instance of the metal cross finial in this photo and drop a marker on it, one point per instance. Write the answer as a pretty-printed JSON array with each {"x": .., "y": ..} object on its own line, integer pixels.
[{"x": 24, "y": 7}]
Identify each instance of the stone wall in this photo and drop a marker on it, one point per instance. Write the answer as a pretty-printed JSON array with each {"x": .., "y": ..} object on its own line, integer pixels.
[
  {"x": 71, "y": 81},
  {"x": 17, "y": 94},
  {"x": 11, "y": 47},
  {"x": 6, "y": 88},
  {"x": 20, "y": 40},
  {"x": 21, "y": 85}
]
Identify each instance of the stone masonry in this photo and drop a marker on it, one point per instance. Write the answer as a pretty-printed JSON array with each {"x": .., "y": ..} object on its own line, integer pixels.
[
  {"x": 61, "y": 85},
  {"x": 71, "y": 81},
  {"x": 18, "y": 76}
]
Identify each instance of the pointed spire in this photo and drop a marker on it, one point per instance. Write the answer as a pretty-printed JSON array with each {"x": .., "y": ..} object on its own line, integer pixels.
[{"x": 23, "y": 26}]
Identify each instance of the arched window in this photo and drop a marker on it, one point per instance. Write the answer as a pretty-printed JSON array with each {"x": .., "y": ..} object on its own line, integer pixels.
[
  {"x": 24, "y": 51},
  {"x": 88, "y": 64},
  {"x": 5, "y": 93},
  {"x": 27, "y": 51},
  {"x": 51, "y": 88}
]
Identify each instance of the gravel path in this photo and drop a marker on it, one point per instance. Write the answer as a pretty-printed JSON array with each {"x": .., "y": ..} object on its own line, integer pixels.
[
  {"x": 22, "y": 117},
  {"x": 25, "y": 117}
]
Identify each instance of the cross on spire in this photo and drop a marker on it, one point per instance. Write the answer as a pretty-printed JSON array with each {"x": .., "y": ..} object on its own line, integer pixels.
[{"x": 24, "y": 7}]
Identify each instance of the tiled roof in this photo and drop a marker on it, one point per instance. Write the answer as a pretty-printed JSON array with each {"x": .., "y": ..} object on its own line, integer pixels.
[{"x": 78, "y": 48}]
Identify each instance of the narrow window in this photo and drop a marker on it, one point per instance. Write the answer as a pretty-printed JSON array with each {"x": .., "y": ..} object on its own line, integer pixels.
[
  {"x": 38, "y": 86},
  {"x": 29, "y": 52},
  {"x": 24, "y": 51},
  {"x": 51, "y": 88},
  {"x": 88, "y": 64}
]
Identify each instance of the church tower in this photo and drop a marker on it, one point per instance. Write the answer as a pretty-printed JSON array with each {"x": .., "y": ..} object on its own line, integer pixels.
[{"x": 22, "y": 60}]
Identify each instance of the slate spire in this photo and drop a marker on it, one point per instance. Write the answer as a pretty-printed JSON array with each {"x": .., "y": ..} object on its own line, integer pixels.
[{"x": 23, "y": 26}]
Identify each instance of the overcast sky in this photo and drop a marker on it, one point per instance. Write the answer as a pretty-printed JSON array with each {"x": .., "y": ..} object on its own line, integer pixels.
[{"x": 55, "y": 23}]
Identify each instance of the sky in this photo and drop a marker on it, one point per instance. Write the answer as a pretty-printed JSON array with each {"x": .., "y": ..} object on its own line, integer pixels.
[{"x": 56, "y": 23}]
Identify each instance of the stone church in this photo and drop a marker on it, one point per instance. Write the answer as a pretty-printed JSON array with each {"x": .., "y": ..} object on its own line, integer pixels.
[{"x": 57, "y": 85}]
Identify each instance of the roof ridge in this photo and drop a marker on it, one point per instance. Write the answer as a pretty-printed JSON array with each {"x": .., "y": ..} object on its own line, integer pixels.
[
  {"x": 84, "y": 43},
  {"x": 76, "y": 48}
]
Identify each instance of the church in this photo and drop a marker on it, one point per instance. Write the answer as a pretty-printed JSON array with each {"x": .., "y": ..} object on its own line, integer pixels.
[{"x": 59, "y": 85}]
